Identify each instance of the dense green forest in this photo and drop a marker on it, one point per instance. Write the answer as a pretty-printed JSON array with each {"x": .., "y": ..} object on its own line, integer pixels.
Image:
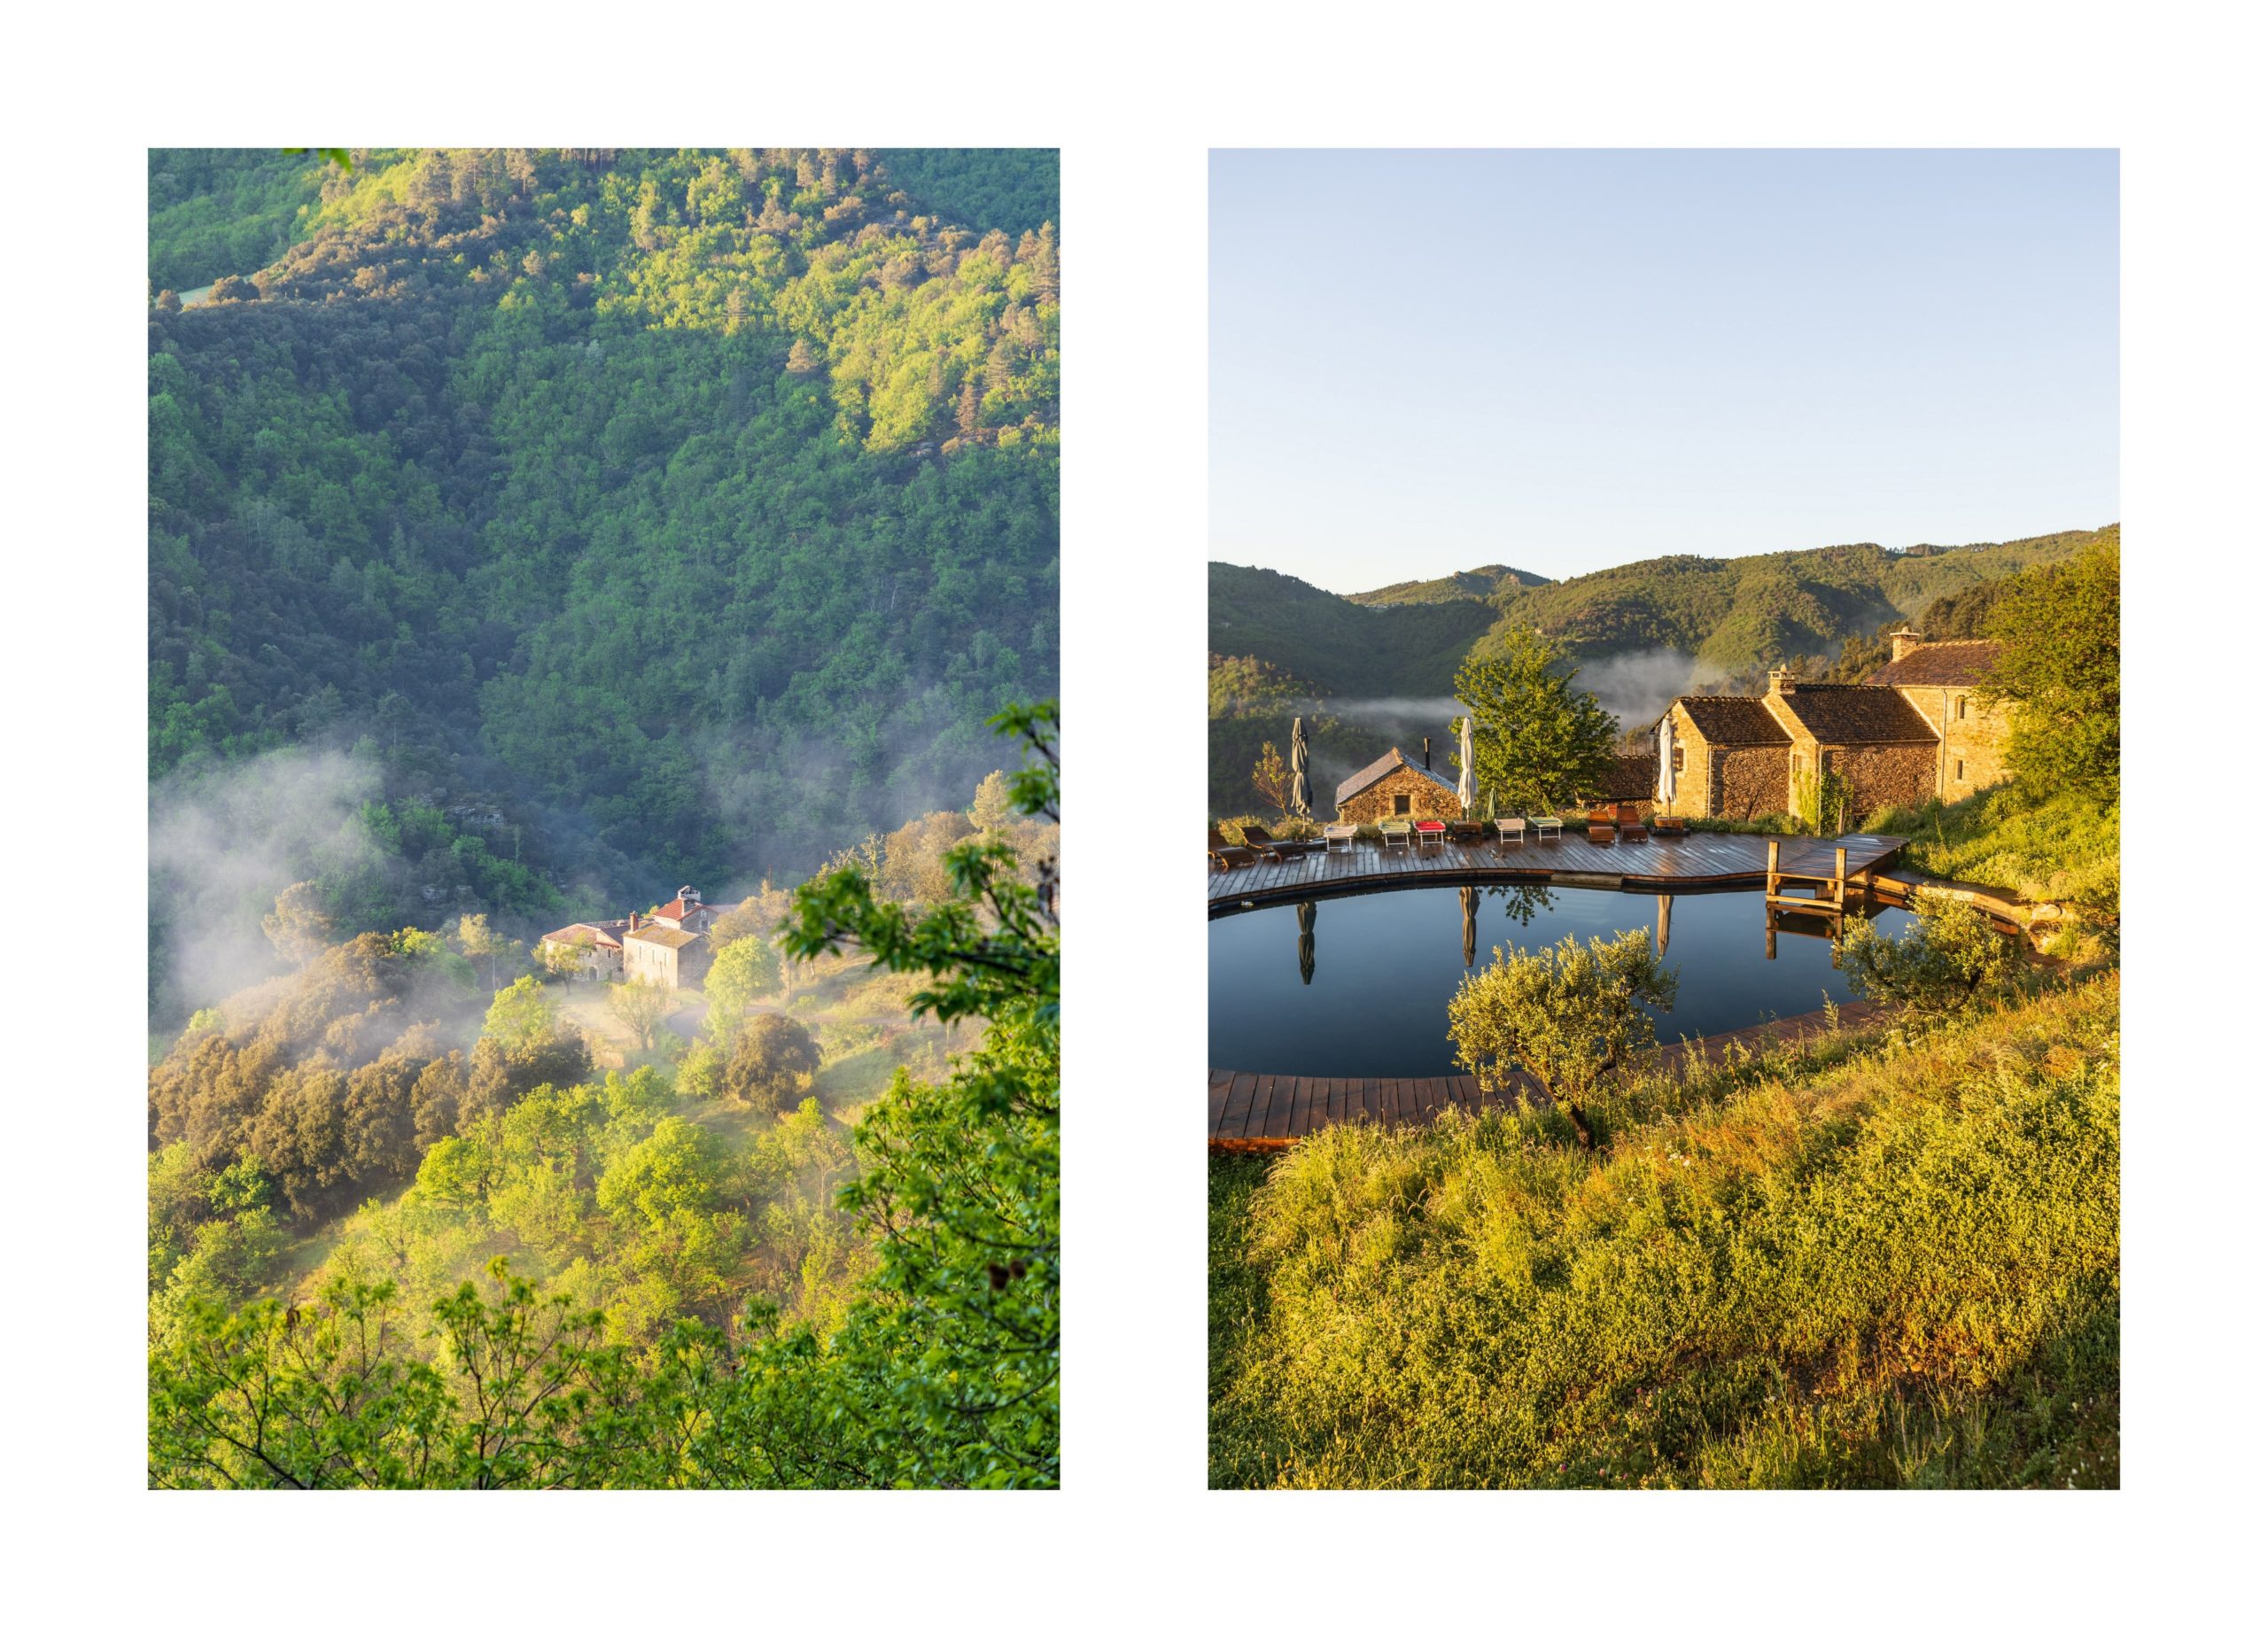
[
  {"x": 531, "y": 529},
  {"x": 1375, "y": 668}
]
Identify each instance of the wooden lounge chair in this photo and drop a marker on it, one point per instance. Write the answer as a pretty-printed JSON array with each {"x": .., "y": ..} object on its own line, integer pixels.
[
  {"x": 1547, "y": 826},
  {"x": 1466, "y": 833},
  {"x": 1336, "y": 836},
  {"x": 1627, "y": 821},
  {"x": 1223, "y": 856},
  {"x": 1280, "y": 852},
  {"x": 1512, "y": 829},
  {"x": 1393, "y": 833},
  {"x": 1432, "y": 833}
]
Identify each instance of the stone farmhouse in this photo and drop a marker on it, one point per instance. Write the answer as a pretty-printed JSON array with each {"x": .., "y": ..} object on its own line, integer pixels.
[
  {"x": 1916, "y": 729},
  {"x": 669, "y": 947},
  {"x": 1394, "y": 786}
]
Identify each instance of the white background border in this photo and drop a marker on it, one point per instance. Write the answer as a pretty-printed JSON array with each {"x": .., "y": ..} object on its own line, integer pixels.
[{"x": 1134, "y": 99}]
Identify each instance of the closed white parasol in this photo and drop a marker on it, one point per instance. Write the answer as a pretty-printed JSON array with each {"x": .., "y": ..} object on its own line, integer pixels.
[
  {"x": 1665, "y": 777},
  {"x": 1466, "y": 790}
]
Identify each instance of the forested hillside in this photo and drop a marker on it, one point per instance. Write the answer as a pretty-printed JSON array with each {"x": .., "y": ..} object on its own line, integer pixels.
[
  {"x": 532, "y": 530},
  {"x": 1377, "y": 665}
]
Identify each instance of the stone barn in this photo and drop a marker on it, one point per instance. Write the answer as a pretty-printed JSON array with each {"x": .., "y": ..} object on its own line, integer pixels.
[
  {"x": 1394, "y": 786},
  {"x": 1729, "y": 757}
]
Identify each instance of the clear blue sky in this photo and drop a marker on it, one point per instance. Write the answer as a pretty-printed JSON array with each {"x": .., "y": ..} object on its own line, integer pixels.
[{"x": 1425, "y": 360}]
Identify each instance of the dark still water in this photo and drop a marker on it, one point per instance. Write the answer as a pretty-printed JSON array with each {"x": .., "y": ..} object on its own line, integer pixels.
[{"x": 1383, "y": 965}]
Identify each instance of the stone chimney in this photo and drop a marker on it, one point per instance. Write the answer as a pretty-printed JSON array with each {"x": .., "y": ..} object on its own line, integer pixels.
[
  {"x": 1903, "y": 642},
  {"x": 633, "y": 922},
  {"x": 1784, "y": 680}
]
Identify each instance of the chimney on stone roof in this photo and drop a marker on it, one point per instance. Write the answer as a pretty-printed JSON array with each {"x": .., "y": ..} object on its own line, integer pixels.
[
  {"x": 1429, "y": 753},
  {"x": 1784, "y": 680},
  {"x": 633, "y": 922},
  {"x": 1903, "y": 642}
]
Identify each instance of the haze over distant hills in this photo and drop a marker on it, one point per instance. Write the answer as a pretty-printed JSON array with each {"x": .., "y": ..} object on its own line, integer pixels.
[{"x": 1379, "y": 663}]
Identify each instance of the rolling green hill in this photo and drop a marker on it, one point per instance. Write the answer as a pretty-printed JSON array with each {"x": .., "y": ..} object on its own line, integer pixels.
[
  {"x": 1337, "y": 644},
  {"x": 1483, "y": 582},
  {"x": 1733, "y": 613},
  {"x": 536, "y": 529}
]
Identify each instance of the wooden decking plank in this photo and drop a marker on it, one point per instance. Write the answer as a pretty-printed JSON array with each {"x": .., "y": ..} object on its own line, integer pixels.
[
  {"x": 1235, "y": 1118},
  {"x": 1279, "y": 1106}
]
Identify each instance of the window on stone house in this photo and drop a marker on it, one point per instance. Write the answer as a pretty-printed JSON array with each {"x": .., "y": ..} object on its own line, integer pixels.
[
  {"x": 1960, "y": 769},
  {"x": 1677, "y": 759},
  {"x": 1961, "y": 708},
  {"x": 1401, "y": 804}
]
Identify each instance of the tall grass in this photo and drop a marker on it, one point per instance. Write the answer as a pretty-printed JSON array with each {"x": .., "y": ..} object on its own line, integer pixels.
[{"x": 1896, "y": 1264}]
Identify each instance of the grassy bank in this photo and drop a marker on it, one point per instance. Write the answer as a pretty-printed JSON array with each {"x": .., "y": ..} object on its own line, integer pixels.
[{"x": 1895, "y": 1264}]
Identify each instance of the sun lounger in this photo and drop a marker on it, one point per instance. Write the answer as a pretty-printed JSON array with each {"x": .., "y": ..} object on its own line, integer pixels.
[
  {"x": 1626, "y": 820},
  {"x": 1281, "y": 851},
  {"x": 1226, "y": 857},
  {"x": 1394, "y": 833},
  {"x": 1547, "y": 826},
  {"x": 1512, "y": 829},
  {"x": 1600, "y": 828},
  {"x": 1432, "y": 833},
  {"x": 1339, "y": 836},
  {"x": 1465, "y": 833}
]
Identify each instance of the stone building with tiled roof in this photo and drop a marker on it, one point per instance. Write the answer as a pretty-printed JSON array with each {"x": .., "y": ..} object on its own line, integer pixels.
[
  {"x": 598, "y": 942},
  {"x": 1915, "y": 730},
  {"x": 1944, "y": 683},
  {"x": 671, "y": 947},
  {"x": 1394, "y": 786}
]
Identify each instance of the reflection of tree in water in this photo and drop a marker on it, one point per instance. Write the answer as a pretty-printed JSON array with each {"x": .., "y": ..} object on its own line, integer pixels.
[{"x": 1524, "y": 904}]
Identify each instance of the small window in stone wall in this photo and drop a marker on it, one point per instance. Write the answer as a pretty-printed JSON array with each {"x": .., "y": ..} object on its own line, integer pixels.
[
  {"x": 1677, "y": 759},
  {"x": 1961, "y": 708},
  {"x": 1402, "y": 805},
  {"x": 1960, "y": 769}
]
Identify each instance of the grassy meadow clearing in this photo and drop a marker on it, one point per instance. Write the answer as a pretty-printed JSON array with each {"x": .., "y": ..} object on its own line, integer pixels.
[{"x": 1890, "y": 1260}]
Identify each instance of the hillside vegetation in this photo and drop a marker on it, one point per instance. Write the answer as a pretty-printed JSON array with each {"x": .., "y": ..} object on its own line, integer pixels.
[
  {"x": 1892, "y": 1262},
  {"x": 1730, "y": 614},
  {"x": 616, "y": 517}
]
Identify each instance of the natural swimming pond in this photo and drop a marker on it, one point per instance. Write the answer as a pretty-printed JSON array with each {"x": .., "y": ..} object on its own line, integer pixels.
[{"x": 1361, "y": 985}]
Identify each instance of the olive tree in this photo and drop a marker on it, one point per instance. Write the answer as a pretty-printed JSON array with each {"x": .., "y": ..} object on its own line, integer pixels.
[
  {"x": 1572, "y": 1015},
  {"x": 1948, "y": 960}
]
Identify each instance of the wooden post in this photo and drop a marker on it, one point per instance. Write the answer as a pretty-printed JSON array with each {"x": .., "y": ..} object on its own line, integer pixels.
[
  {"x": 1772, "y": 866},
  {"x": 1842, "y": 863}
]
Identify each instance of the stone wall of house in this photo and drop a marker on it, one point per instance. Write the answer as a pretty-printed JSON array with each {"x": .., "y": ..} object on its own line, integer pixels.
[
  {"x": 649, "y": 963},
  {"x": 1427, "y": 800},
  {"x": 1975, "y": 752},
  {"x": 1885, "y": 776},
  {"x": 1746, "y": 781}
]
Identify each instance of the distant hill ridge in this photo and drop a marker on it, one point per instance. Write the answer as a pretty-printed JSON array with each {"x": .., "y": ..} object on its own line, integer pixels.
[
  {"x": 1732, "y": 613},
  {"x": 1483, "y": 582}
]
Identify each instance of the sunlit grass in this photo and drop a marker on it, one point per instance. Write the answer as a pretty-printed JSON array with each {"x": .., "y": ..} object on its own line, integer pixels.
[{"x": 1901, "y": 1268}]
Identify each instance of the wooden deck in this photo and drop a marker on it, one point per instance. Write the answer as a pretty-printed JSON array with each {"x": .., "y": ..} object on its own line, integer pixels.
[
  {"x": 1650, "y": 865},
  {"x": 1262, "y": 1114}
]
